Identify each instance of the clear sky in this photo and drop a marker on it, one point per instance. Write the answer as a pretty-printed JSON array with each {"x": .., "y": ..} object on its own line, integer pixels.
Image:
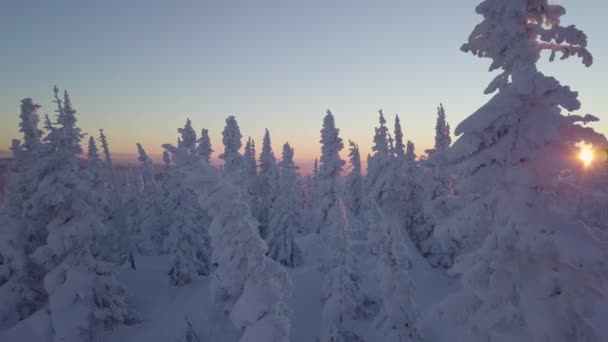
[{"x": 139, "y": 68}]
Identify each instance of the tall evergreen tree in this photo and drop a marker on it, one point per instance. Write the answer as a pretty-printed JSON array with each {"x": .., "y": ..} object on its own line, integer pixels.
[
  {"x": 188, "y": 239},
  {"x": 285, "y": 214},
  {"x": 530, "y": 269},
  {"x": 379, "y": 168},
  {"x": 188, "y": 140},
  {"x": 339, "y": 293},
  {"x": 149, "y": 221},
  {"x": 393, "y": 269},
  {"x": 21, "y": 232},
  {"x": 354, "y": 191},
  {"x": 94, "y": 164},
  {"x": 267, "y": 185},
  {"x": 84, "y": 295},
  {"x": 250, "y": 174},
  {"x": 204, "y": 145},
  {"x": 232, "y": 144},
  {"x": 399, "y": 145},
  {"x": 329, "y": 171}
]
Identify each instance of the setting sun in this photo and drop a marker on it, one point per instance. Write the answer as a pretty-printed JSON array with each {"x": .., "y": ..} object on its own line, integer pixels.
[{"x": 586, "y": 154}]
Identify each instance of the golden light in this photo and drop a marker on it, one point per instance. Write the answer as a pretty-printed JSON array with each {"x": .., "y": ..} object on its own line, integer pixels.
[{"x": 585, "y": 154}]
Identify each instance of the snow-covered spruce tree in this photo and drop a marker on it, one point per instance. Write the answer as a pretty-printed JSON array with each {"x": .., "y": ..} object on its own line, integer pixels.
[
  {"x": 231, "y": 137},
  {"x": 21, "y": 288},
  {"x": 268, "y": 182},
  {"x": 400, "y": 147},
  {"x": 103, "y": 140},
  {"x": 396, "y": 195},
  {"x": 94, "y": 165},
  {"x": 339, "y": 295},
  {"x": 149, "y": 220},
  {"x": 379, "y": 168},
  {"x": 84, "y": 297},
  {"x": 354, "y": 192},
  {"x": 531, "y": 270},
  {"x": 442, "y": 133},
  {"x": 188, "y": 135},
  {"x": 246, "y": 284},
  {"x": 115, "y": 246},
  {"x": 329, "y": 171},
  {"x": 250, "y": 175},
  {"x": 188, "y": 239},
  {"x": 419, "y": 228},
  {"x": 393, "y": 269},
  {"x": 285, "y": 213},
  {"x": 204, "y": 146}
]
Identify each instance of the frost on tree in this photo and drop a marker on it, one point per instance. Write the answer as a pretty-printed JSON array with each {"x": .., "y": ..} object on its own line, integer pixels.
[
  {"x": 393, "y": 269},
  {"x": 354, "y": 192},
  {"x": 285, "y": 214},
  {"x": 268, "y": 182},
  {"x": 340, "y": 296},
  {"x": 94, "y": 165},
  {"x": 379, "y": 167},
  {"x": 251, "y": 288},
  {"x": 443, "y": 138},
  {"x": 231, "y": 137},
  {"x": 250, "y": 175},
  {"x": 21, "y": 288},
  {"x": 84, "y": 297},
  {"x": 188, "y": 238},
  {"x": 329, "y": 171},
  {"x": 148, "y": 219},
  {"x": 530, "y": 270},
  {"x": 116, "y": 245},
  {"x": 204, "y": 146}
]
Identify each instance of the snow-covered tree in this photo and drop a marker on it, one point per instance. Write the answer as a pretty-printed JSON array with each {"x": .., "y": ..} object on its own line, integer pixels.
[
  {"x": 188, "y": 239},
  {"x": 442, "y": 132},
  {"x": 329, "y": 171},
  {"x": 204, "y": 146},
  {"x": 530, "y": 269},
  {"x": 188, "y": 135},
  {"x": 393, "y": 269},
  {"x": 339, "y": 292},
  {"x": 84, "y": 296},
  {"x": 354, "y": 180},
  {"x": 399, "y": 144},
  {"x": 268, "y": 182},
  {"x": 94, "y": 164},
  {"x": 379, "y": 167},
  {"x": 251, "y": 288},
  {"x": 106, "y": 151},
  {"x": 232, "y": 144},
  {"x": 285, "y": 213},
  {"x": 148, "y": 220},
  {"x": 354, "y": 194},
  {"x": 115, "y": 246},
  {"x": 250, "y": 175}
]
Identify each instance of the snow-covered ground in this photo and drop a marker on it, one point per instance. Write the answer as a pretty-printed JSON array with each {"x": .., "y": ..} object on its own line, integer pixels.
[{"x": 164, "y": 310}]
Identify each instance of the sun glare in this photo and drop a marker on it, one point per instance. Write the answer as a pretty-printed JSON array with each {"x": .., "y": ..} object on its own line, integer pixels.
[{"x": 586, "y": 154}]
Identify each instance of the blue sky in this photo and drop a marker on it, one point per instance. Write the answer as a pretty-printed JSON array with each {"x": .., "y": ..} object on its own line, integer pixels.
[{"x": 140, "y": 68}]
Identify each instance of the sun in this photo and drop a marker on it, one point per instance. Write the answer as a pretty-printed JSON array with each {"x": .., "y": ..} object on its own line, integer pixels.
[{"x": 586, "y": 154}]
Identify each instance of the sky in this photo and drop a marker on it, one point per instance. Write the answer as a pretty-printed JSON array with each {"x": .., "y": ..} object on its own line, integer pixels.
[{"x": 139, "y": 68}]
